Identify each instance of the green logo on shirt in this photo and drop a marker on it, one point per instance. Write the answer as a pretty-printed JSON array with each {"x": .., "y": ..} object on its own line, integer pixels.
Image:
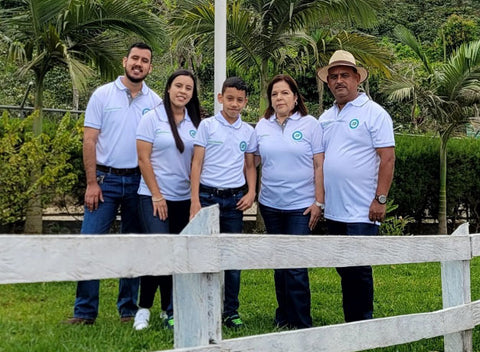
[
  {"x": 192, "y": 133},
  {"x": 144, "y": 111},
  {"x": 243, "y": 146},
  {"x": 297, "y": 135},
  {"x": 354, "y": 124}
]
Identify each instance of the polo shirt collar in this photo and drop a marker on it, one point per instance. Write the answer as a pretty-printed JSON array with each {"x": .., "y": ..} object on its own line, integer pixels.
[
  {"x": 360, "y": 100},
  {"x": 121, "y": 86},
  {"x": 295, "y": 116},
  {"x": 164, "y": 118},
  {"x": 237, "y": 124}
]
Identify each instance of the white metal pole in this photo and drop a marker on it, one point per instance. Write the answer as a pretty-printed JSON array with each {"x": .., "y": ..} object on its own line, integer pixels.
[{"x": 220, "y": 61}]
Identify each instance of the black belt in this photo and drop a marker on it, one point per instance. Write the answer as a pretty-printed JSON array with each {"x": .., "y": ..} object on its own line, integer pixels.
[
  {"x": 120, "y": 172},
  {"x": 222, "y": 192}
]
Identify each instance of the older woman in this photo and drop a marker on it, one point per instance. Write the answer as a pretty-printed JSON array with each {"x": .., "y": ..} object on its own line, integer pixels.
[{"x": 289, "y": 142}]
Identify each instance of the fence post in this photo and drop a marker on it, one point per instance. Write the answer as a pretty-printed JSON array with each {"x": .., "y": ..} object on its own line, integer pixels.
[
  {"x": 197, "y": 297},
  {"x": 456, "y": 291}
]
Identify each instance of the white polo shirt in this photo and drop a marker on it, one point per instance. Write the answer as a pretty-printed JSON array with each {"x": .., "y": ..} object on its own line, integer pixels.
[
  {"x": 112, "y": 111},
  {"x": 351, "y": 165},
  {"x": 171, "y": 168},
  {"x": 287, "y": 181},
  {"x": 225, "y": 147}
]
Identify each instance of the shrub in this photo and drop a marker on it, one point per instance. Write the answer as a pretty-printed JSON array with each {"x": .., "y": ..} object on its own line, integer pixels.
[
  {"x": 415, "y": 186},
  {"x": 55, "y": 150}
]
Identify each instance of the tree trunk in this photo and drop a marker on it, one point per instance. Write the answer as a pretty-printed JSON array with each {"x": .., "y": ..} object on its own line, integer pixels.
[
  {"x": 263, "y": 89},
  {"x": 33, "y": 213},
  {"x": 76, "y": 97},
  {"x": 320, "y": 89},
  {"x": 442, "y": 200},
  {"x": 259, "y": 223}
]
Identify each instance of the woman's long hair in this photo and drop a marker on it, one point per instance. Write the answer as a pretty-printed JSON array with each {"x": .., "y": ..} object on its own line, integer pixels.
[{"x": 193, "y": 106}]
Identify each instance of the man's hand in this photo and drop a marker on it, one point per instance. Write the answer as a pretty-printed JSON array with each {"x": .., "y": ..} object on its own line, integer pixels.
[
  {"x": 377, "y": 211},
  {"x": 93, "y": 194}
]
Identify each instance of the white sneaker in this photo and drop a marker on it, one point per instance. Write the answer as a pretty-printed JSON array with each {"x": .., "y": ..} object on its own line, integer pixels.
[{"x": 141, "y": 319}]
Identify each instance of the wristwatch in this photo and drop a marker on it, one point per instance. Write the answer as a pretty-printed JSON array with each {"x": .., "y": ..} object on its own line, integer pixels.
[
  {"x": 320, "y": 205},
  {"x": 381, "y": 198}
]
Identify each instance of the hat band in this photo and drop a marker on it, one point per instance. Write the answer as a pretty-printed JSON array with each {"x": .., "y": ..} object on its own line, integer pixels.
[{"x": 342, "y": 63}]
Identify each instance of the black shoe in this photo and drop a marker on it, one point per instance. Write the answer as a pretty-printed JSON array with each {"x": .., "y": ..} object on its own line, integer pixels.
[{"x": 233, "y": 321}]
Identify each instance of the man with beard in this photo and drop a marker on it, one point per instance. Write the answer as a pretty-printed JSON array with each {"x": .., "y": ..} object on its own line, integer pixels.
[
  {"x": 112, "y": 173},
  {"x": 359, "y": 148}
]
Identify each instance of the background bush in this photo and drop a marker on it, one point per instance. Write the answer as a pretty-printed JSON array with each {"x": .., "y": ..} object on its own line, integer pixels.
[
  {"x": 415, "y": 187},
  {"x": 57, "y": 150},
  {"x": 414, "y": 190}
]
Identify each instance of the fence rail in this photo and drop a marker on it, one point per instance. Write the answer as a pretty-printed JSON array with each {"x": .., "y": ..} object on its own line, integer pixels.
[{"x": 198, "y": 256}]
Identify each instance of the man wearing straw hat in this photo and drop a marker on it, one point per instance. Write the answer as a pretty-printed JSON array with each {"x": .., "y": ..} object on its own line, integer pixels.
[{"x": 358, "y": 171}]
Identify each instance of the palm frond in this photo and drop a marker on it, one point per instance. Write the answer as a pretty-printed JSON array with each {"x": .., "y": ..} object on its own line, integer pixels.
[
  {"x": 399, "y": 90},
  {"x": 406, "y": 37},
  {"x": 460, "y": 76}
]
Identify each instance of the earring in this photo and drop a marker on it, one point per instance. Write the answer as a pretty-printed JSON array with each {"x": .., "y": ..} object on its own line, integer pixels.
[{"x": 296, "y": 102}]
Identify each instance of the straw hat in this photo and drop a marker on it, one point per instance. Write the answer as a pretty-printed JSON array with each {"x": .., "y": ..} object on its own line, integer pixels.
[{"x": 342, "y": 58}]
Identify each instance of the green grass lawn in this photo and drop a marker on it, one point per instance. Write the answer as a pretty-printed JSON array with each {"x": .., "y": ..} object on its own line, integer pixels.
[{"x": 31, "y": 314}]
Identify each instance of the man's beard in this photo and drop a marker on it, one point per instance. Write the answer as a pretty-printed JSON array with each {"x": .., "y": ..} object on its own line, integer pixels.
[{"x": 134, "y": 79}]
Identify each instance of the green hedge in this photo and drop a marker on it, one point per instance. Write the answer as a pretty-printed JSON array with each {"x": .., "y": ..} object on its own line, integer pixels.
[
  {"x": 58, "y": 153},
  {"x": 416, "y": 182},
  {"x": 415, "y": 188}
]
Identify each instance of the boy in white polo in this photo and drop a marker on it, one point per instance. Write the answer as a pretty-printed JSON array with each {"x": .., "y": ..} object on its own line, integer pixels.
[{"x": 222, "y": 159}]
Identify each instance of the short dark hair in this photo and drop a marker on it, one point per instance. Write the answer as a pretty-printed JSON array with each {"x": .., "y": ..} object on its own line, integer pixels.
[
  {"x": 234, "y": 82},
  {"x": 140, "y": 45},
  {"x": 300, "y": 106},
  {"x": 193, "y": 106}
]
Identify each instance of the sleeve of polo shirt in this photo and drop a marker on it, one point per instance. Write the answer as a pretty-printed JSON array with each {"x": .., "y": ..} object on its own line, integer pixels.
[
  {"x": 94, "y": 112},
  {"x": 146, "y": 127},
  {"x": 252, "y": 143},
  {"x": 256, "y": 134},
  {"x": 382, "y": 130},
  {"x": 317, "y": 139},
  {"x": 201, "y": 137}
]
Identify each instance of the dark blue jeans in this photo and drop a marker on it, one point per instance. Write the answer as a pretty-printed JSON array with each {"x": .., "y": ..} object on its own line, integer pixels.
[
  {"x": 178, "y": 216},
  {"x": 292, "y": 286},
  {"x": 231, "y": 221},
  {"x": 357, "y": 281},
  {"x": 118, "y": 192}
]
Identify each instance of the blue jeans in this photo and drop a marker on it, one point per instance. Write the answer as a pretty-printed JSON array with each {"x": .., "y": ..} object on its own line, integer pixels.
[
  {"x": 292, "y": 286},
  {"x": 231, "y": 221},
  {"x": 178, "y": 216},
  {"x": 357, "y": 281},
  {"x": 118, "y": 192}
]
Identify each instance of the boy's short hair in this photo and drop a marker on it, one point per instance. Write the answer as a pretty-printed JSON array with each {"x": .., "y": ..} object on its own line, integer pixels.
[{"x": 234, "y": 82}]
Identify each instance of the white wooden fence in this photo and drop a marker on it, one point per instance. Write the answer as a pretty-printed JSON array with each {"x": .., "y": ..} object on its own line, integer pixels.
[{"x": 198, "y": 261}]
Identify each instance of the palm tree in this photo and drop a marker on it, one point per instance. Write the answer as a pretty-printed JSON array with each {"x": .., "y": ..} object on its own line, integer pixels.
[
  {"x": 447, "y": 94},
  {"x": 75, "y": 34},
  {"x": 266, "y": 35}
]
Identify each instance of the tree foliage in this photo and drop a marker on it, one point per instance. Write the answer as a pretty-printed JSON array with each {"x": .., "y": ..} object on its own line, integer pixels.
[
  {"x": 446, "y": 94},
  {"x": 41, "y": 35},
  {"x": 267, "y": 37},
  {"x": 55, "y": 150}
]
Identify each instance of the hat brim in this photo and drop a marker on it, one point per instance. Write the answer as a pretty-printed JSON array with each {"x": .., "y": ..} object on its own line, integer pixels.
[{"x": 323, "y": 72}]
